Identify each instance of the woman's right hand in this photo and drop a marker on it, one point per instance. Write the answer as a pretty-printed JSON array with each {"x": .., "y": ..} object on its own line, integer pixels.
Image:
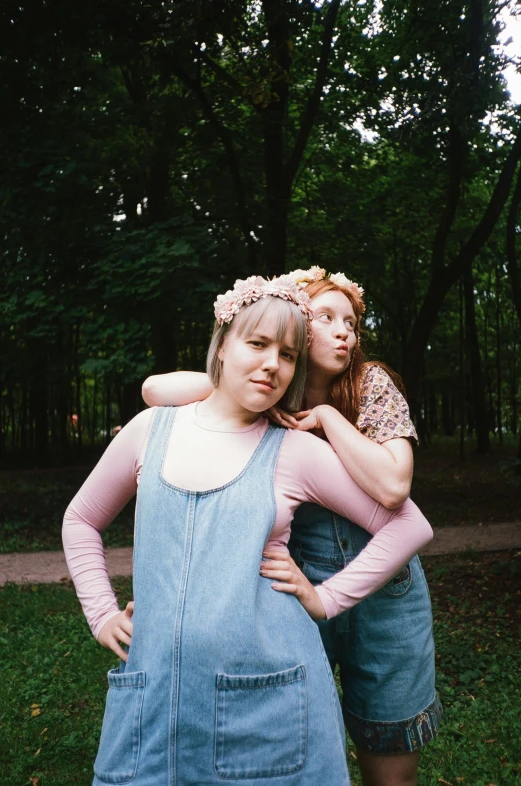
[
  {"x": 280, "y": 417},
  {"x": 118, "y": 629}
]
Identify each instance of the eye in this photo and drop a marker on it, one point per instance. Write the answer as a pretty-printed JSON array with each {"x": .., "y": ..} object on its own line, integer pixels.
[
  {"x": 289, "y": 356},
  {"x": 257, "y": 344},
  {"x": 324, "y": 317},
  {"x": 350, "y": 323}
]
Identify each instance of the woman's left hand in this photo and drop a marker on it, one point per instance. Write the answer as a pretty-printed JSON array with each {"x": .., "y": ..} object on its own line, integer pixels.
[
  {"x": 282, "y": 568},
  {"x": 310, "y": 420}
]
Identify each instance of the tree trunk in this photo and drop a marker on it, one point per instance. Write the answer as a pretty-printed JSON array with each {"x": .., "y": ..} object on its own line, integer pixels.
[
  {"x": 130, "y": 398},
  {"x": 39, "y": 408},
  {"x": 476, "y": 377},
  {"x": 499, "y": 399},
  {"x": 511, "y": 232},
  {"x": 164, "y": 345},
  {"x": 443, "y": 278}
]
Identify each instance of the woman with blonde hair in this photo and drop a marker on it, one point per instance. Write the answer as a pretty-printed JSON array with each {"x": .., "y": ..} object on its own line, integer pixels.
[
  {"x": 225, "y": 678},
  {"x": 383, "y": 646}
]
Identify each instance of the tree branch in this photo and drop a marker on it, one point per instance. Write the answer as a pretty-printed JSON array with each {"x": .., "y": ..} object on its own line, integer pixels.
[
  {"x": 309, "y": 114},
  {"x": 216, "y": 68},
  {"x": 457, "y": 150},
  {"x": 227, "y": 142}
]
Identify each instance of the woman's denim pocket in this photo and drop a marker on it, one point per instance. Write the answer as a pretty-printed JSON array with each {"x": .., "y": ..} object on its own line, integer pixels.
[
  {"x": 118, "y": 753},
  {"x": 400, "y": 584},
  {"x": 317, "y": 572},
  {"x": 261, "y": 724}
]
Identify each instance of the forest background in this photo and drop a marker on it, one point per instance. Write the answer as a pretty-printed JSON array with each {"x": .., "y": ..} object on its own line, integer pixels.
[{"x": 153, "y": 152}]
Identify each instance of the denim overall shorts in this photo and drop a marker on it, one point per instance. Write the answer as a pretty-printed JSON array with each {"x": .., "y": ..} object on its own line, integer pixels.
[
  {"x": 227, "y": 681},
  {"x": 383, "y": 646}
]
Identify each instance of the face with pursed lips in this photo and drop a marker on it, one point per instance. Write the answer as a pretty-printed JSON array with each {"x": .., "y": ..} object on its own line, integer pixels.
[{"x": 334, "y": 333}]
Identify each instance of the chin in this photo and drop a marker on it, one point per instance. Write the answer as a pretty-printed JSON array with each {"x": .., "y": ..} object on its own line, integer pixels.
[{"x": 256, "y": 406}]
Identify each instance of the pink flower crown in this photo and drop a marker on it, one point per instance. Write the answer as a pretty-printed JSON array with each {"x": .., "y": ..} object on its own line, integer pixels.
[
  {"x": 304, "y": 277},
  {"x": 248, "y": 291}
]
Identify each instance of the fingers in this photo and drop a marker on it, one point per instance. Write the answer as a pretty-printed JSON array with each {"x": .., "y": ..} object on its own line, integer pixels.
[
  {"x": 117, "y": 631},
  {"x": 280, "y": 574},
  {"x": 129, "y": 609},
  {"x": 281, "y": 418},
  {"x": 121, "y": 635},
  {"x": 276, "y": 554},
  {"x": 114, "y": 645},
  {"x": 290, "y": 589}
]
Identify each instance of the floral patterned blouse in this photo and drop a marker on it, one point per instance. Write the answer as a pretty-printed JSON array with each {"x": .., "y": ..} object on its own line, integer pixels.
[{"x": 384, "y": 413}]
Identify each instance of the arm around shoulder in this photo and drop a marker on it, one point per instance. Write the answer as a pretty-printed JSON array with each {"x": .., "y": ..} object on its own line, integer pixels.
[{"x": 176, "y": 389}]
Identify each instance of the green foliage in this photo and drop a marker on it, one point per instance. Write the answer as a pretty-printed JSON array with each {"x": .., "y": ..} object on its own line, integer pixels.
[
  {"x": 54, "y": 685},
  {"x": 152, "y": 155}
]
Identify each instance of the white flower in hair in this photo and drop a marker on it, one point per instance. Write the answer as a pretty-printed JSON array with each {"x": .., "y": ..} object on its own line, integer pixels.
[
  {"x": 345, "y": 283},
  {"x": 304, "y": 277}
]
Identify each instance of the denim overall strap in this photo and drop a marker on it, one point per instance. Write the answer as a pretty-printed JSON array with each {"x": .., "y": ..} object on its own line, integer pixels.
[{"x": 217, "y": 656}]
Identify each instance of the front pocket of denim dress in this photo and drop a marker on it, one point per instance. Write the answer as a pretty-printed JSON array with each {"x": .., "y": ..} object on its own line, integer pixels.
[
  {"x": 118, "y": 752},
  {"x": 261, "y": 724}
]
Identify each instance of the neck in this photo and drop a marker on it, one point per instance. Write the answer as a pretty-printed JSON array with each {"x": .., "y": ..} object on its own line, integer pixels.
[
  {"x": 317, "y": 388},
  {"x": 222, "y": 410}
]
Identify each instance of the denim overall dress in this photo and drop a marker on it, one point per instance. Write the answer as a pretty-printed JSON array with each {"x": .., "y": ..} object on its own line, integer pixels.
[
  {"x": 227, "y": 680},
  {"x": 384, "y": 646}
]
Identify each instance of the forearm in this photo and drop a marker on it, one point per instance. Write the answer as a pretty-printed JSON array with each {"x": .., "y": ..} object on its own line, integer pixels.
[
  {"x": 176, "y": 389},
  {"x": 85, "y": 558},
  {"x": 383, "y": 474},
  {"x": 110, "y": 485},
  {"x": 390, "y": 549}
]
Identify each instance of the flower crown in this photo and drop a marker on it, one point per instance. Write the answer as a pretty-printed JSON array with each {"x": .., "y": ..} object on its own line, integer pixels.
[
  {"x": 248, "y": 291},
  {"x": 304, "y": 277}
]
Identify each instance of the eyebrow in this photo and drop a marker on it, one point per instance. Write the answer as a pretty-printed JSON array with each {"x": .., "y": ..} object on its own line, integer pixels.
[{"x": 271, "y": 339}]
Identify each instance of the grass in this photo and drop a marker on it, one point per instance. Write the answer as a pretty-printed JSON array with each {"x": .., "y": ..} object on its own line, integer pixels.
[{"x": 53, "y": 685}]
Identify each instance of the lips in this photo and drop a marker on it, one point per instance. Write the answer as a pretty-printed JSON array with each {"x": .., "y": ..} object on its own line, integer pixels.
[
  {"x": 342, "y": 348},
  {"x": 264, "y": 383}
]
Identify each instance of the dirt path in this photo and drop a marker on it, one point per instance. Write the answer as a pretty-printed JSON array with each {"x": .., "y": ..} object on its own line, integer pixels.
[{"x": 45, "y": 567}]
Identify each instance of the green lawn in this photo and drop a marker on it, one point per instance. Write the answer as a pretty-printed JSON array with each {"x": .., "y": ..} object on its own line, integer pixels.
[{"x": 53, "y": 682}]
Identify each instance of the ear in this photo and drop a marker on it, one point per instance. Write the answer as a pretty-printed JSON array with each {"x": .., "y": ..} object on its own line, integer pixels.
[{"x": 220, "y": 351}]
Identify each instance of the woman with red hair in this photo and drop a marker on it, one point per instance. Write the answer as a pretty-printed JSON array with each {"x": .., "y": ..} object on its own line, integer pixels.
[{"x": 383, "y": 646}]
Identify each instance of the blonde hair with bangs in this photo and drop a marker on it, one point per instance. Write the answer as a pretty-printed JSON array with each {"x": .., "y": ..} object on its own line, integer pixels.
[{"x": 288, "y": 315}]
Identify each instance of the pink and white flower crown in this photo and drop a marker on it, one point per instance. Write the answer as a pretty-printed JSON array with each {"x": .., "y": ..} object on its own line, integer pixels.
[
  {"x": 248, "y": 291},
  {"x": 304, "y": 277}
]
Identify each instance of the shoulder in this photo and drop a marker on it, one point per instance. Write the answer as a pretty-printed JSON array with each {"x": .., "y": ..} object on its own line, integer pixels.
[
  {"x": 375, "y": 381},
  {"x": 301, "y": 448},
  {"x": 384, "y": 412}
]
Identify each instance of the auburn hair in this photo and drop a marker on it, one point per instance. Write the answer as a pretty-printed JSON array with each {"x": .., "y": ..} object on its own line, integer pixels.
[{"x": 344, "y": 393}]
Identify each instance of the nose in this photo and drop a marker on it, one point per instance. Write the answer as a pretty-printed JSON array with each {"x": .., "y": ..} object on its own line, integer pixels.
[
  {"x": 270, "y": 360},
  {"x": 340, "y": 329}
]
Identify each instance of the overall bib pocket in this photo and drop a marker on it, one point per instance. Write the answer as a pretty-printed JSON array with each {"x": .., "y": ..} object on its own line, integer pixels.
[
  {"x": 261, "y": 724},
  {"x": 118, "y": 753}
]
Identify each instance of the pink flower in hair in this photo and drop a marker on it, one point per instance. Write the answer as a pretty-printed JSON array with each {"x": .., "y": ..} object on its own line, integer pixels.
[{"x": 248, "y": 291}]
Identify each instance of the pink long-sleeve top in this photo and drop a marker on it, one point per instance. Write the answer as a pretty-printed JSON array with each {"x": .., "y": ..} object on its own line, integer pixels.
[{"x": 201, "y": 457}]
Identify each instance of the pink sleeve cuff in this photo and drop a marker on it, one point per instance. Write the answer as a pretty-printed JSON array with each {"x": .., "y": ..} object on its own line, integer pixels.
[
  {"x": 96, "y": 629},
  {"x": 331, "y": 608}
]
